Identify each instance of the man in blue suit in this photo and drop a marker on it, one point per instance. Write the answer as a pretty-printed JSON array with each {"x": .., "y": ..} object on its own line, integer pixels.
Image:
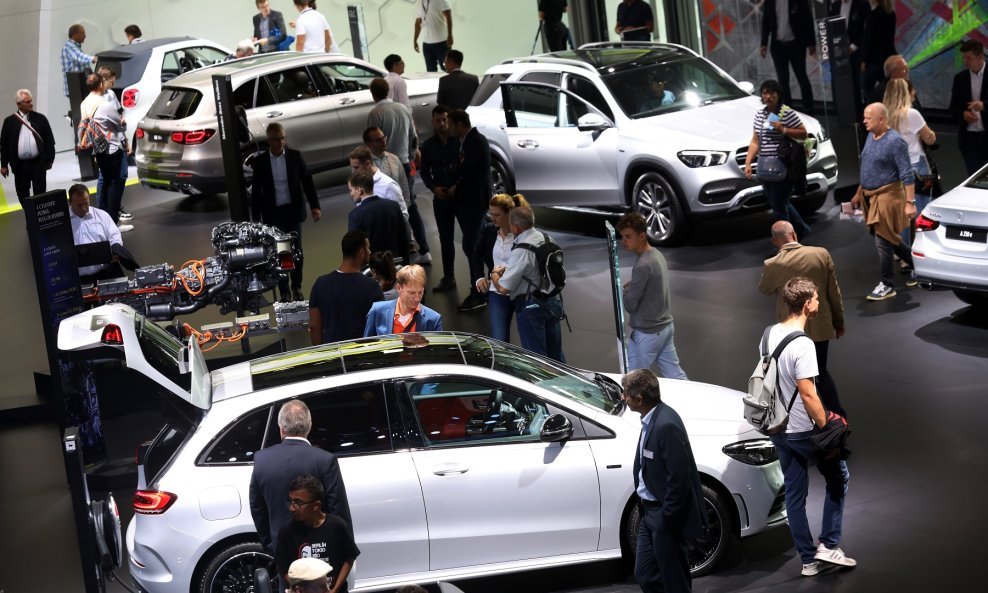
[
  {"x": 668, "y": 485},
  {"x": 406, "y": 314},
  {"x": 380, "y": 219},
  {"x": 275, "y": 467}
]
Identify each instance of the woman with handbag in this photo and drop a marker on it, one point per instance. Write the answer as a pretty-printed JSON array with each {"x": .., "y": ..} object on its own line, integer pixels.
[
  {"x": 903, "y": 118},
  {"x": 775, "y": 124}
]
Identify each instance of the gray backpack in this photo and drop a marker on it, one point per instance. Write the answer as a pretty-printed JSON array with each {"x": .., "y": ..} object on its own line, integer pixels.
[{"x": 763, "y": 408}]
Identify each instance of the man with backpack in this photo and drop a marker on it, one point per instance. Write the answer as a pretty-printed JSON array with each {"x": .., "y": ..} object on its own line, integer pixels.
[
  {"x": 793, "y": 377},
  {"x": 533, "y": 278},
  {"x": 646, "y": 298}
]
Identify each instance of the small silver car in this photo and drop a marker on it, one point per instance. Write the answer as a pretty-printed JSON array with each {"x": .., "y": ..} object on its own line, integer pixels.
[
  {"x": 951, "y": 247},
  {"x": 322, "y": 101},
  {"x": 652, "y": 127},
  {"x": 462, "y": 456}
]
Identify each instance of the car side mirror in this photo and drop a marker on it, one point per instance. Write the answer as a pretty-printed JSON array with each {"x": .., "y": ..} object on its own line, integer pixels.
[
  {"x": 747, "y": 87},
  {"x": 592, "y": 122},
  {"x": 556, "y": 428}
]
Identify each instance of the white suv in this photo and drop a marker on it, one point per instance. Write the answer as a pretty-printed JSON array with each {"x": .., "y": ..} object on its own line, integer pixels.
[
  {"x": 462, "y": 456},
  {"x": 653, "y": 127}
]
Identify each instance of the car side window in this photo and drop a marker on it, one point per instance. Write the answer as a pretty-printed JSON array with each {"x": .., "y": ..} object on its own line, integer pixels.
[
  {"x": 244, "y": 95},
  {"x": 455, "y": 411},
  {"x": 535, "y": 107},
  {"x": 347, "y": 78},
  {"x": 170, "y": 67},
  {"x": 207, "y": 56},
  {"x": 539, "y": 76},
  {"x": 588, "y": 91},
  {"x": 345, "y": 421},
  {"x": 238, "y": 443},
  {"x": 294, "y": 84}
]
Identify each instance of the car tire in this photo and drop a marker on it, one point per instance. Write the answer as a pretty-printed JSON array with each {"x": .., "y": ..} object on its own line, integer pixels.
[
  {"x": 654, "y": 198},
  {"x": 704, "y": 552},
  {"x": 501, "y": 180},
  {"x": 231, "y": 569},
  {"x": 975, "y": 299}
]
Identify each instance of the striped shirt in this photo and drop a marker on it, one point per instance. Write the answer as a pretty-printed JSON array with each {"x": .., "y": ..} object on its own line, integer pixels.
[
  {"x": 73, "y": 60},
  {"x": 768, "y": 137}
]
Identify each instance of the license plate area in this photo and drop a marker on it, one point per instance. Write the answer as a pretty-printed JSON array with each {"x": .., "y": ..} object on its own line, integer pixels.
[
  {"x": 971, "y": 234},
  {"x": 157, "y": 137}
]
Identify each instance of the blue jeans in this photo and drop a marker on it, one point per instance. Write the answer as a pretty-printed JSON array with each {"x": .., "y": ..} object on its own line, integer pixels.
[
  {"x": 922, "y": 200},
  {"x": 500, "y": 308},
  {"x": 778, "y": 193},
  {"x": 796, "y": 456},
  {"x": 538, "y": 326},
  {"x": 644, "y": 349},
  {"x": 435, "y": 55}
]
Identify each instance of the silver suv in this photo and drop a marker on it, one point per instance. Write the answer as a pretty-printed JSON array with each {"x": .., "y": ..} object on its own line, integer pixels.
[
  {"x": 322, "y": 100},
  {"x": 654, "y": 127}
]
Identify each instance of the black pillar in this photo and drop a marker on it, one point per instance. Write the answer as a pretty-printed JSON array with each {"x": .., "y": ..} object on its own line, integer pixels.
[
  {"x": 588, "y": 21},
  {"x": 230, "y": 142}
]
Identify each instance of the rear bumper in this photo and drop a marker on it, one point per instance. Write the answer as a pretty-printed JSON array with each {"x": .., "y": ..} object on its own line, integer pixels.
[
  {"x": 934, "y": 268},
  {"x": 186, "y": 183}
]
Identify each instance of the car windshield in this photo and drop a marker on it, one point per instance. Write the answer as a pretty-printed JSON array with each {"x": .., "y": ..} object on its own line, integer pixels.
[
  {"x": 558, "y": 378},
  {"x": 670, "y": 86}
]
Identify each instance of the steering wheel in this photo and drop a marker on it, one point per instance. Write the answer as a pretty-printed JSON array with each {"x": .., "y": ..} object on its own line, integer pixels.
[{"x": 493, "y": 412}]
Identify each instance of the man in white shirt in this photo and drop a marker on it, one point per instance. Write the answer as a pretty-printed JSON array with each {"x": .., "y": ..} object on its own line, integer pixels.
[
  {"x": 435, "y": 18},
  {"x": 797, "y": 370},
  {"x": 27, "y": 146},
  {"x": 397, "y": 88},
  {"x": 312, "y": 31},
  {"x": 92, "y": 225},
  {"x": 967, "y": 105}
]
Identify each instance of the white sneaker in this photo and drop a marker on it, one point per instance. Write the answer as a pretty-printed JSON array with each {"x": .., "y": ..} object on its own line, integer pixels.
[
  {"x": 126, "y": 216},
  {"x": 422, "y": 259},
  {"x": 881, "y": 293},
  {"x": 833, "y": 556},
  {"x": 123, "y": 228},
  {"x": 812, "y": 569}
]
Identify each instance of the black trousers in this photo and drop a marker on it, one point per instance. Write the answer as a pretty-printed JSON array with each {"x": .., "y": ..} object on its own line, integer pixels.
[
  {"x": 661, "y": 561},
  {"x": 792, "y": 53},
  {"x": 555, "y": 35},
  {"x": 825, "y": 385},
  {"x": 974, "y": 149},
  {"x": 30, "y": 173},
  {"x": 471, "y": 220}
]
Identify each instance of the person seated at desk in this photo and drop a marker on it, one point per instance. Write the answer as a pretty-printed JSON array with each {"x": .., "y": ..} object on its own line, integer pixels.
[{"x": 92, "y": 225}]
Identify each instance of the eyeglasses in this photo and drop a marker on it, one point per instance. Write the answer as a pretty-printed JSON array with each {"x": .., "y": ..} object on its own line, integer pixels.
[{"x": 297, "y": 504}]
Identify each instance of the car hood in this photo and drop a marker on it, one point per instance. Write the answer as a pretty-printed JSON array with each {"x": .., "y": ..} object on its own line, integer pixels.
[{"x": 727, "y": 124}]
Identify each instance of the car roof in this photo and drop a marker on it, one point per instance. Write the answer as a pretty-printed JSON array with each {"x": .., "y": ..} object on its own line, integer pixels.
[
  {"x": 375, "y": 353},
  {"x": 610, "y": 58},
  {"x": 248, "y": 65},
  {"x": 123, "y": 52}
]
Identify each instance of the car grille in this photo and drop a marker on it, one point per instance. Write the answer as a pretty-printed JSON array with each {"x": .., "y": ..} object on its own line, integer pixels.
[{"x": 779, "y": 503}]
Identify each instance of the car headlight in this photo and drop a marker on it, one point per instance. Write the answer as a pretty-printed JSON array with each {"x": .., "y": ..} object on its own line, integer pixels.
[
  {"x": 703, "y": 158},
  {"x": 754, "y": 452}
]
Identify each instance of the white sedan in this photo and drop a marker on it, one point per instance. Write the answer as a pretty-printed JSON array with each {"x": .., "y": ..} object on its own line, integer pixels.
[{"x": 462, "y": 456}]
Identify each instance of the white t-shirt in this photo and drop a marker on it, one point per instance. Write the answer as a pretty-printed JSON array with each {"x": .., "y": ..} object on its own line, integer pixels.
[
  {"x": 313, "y": 24},
  {"x": 797, "y": 361},
  {"x": 910, "y": 133},
  {"x": 433, "y": 20},
  {"x": 94, "y": 227}
]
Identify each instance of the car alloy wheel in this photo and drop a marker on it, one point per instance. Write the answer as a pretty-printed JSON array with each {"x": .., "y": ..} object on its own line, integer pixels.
[
  {"x": 654, "y": 198},
  {"x": 232, "y": 569},
  {"x": 500, "y": 177}
]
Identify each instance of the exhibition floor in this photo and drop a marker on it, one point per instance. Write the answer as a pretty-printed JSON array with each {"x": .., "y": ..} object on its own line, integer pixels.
[{"x": 911, "y": 371}]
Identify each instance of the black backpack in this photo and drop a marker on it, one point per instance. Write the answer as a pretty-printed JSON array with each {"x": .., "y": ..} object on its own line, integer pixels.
[{"x": 549, "y": 260}]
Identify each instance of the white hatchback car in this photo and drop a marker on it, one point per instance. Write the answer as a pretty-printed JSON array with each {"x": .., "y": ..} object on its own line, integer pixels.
[
  {"x": 951, "y": 247},
  {"x": 143, "y": 67},
  {"x": 462, "y": 456}
]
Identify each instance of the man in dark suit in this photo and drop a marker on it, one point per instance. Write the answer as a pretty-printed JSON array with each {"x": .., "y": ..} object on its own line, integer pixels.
[
  {"x": 457, "y": 87},
  {"x": 471, "y": 191},
  {"x": 668, "y": 485},
  {"x": 380, "y": 219},
  {"x": 790, "y": 25},
  {"x": 275, "y": 467},
  {"x": 269, "y": 27},
  {"x": 280, "y": 180},
  {"x": 967, "y": 105},
  {"x": 27, "y": 147}
]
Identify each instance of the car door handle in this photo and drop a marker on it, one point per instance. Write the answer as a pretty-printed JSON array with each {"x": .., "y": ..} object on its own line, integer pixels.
[
  {"x": 450, "y": 469},
  {"x": 274, "y": 114},
  {"x": 347, "y": 101},
  {"x": 528, "y": 144}
]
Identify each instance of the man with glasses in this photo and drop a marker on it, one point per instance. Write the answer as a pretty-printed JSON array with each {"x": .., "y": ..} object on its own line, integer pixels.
[
  {"x": 276, "y": 466},
  {"x": 313, "y": 533}
]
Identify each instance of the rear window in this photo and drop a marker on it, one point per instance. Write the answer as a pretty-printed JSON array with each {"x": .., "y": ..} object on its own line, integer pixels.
[
  {"x": 128, "y": 71},
  {"x": 163, "y": 449},
  {"x": 488, "y": 86},
  {"x": 175, "y": 103}
]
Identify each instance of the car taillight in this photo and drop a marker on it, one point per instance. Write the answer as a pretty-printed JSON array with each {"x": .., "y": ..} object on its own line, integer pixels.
[
  {"x": 130, "y": 97},
  {"x": 926, "y": 224},
  {"x": 193, "y": 137},
  {"x": 139, "y": 133},
  {"x": 112, "y": 335},
  {"x": 153, "y": 502},
  {"x": 286, "y": 261}
]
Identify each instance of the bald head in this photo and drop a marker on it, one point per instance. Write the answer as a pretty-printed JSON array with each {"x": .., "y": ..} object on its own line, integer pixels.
[
  {"x": 782, "y": 233},
  {"x": 876, "y": 118}
]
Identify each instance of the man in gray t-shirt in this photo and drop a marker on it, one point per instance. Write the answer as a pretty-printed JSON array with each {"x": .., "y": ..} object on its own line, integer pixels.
[
  {"x": 797, "y": 370},
  {"x": 646, "y": 298}
]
